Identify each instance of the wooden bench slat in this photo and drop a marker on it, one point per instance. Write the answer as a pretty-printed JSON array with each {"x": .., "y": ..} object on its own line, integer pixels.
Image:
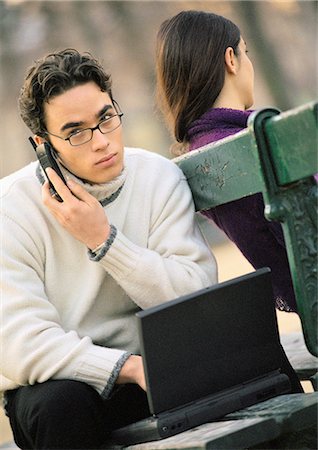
[
  {"x": 233, "y": 176},
  {"x": 292, "y": 412},
  {"x": 232, "y": 166}
]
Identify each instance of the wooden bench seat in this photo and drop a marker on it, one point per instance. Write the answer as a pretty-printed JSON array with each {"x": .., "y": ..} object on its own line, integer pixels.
[{"x": 283, "y": 420}]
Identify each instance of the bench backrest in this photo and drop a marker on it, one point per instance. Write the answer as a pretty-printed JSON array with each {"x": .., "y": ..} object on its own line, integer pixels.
[{"x": 275, "y": 155}]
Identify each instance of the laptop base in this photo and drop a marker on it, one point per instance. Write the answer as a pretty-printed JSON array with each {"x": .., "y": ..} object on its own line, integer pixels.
[{"x": 211, "y": 408}]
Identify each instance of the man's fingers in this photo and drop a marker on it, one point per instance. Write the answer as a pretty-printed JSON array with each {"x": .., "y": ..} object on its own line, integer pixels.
[
  {"x": 79, "y": 213},
  {"x": 71, "y": 191},
  {"x": 58, "y": 184},
  {"x": 79, "y": 191}
]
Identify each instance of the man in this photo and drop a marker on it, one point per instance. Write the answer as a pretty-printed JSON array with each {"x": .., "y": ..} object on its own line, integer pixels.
[{"x": 76, "y": 271}]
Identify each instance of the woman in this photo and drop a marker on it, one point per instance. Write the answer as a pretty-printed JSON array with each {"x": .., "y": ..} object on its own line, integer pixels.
[{"x": 205, "y": 84}]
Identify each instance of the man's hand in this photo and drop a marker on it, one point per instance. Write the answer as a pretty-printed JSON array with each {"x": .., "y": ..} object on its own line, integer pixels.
[
  {"x": 133, "y": 372},
  {"x": 79, "y": 213}
]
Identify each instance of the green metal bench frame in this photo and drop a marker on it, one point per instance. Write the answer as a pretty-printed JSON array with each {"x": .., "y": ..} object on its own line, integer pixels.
[{"x": 275, "y": 155}]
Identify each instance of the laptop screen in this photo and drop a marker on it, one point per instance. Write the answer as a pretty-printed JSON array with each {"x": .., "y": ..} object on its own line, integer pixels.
[{"x": 210, "y": 340}]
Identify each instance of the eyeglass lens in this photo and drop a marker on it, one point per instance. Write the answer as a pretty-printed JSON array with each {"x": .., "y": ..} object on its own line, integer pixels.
[{"x": 105, "y": 126}]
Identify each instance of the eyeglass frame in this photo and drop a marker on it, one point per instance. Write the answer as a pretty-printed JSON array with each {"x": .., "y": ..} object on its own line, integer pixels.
[{"x": 92, "y": 129}]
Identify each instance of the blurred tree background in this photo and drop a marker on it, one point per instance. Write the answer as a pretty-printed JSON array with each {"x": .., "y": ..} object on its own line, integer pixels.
[{"x": 281, "y": 36}]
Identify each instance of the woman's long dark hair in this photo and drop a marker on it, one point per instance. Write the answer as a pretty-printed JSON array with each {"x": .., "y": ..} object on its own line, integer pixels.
[{"x": 190, "y": 65}]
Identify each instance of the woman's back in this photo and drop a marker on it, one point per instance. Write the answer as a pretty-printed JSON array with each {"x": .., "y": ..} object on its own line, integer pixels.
[{"x": 205, "y": 99}]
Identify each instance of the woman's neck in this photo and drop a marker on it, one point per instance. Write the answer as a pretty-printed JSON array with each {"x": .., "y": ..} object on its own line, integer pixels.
[
  {"x": 229, "y": 102},
  {"x": 230, "y": 98}
]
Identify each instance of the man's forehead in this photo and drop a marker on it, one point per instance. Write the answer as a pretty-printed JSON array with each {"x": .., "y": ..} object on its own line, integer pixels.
[
  {"x": 79, "y": 104},
  {"x": 100, "y": 113}
]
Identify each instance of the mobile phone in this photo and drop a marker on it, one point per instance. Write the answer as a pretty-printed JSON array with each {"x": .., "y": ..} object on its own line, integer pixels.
[{"x": 46, "y": 156}]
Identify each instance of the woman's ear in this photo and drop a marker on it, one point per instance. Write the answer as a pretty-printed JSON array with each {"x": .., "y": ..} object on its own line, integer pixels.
[{"x": 231, "y": 61}]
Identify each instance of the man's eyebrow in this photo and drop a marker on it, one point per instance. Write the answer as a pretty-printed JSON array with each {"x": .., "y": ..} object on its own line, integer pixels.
[
  {"x": 104, "y": 110},
  {"x": 69, "y": 125}
]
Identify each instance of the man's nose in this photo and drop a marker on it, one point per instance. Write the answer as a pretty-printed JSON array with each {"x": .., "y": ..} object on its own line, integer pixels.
[{"x": 99, "y": 139}]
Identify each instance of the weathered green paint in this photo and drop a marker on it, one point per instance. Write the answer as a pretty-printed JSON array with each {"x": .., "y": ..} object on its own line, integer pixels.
[
  {"x": 292, "y": 137},
  {"x": 277, "y": 149},
  {"x": 300, "y": 231},
  {"x": 231, "y": 166},
  {"x": 295, "y": 206}
]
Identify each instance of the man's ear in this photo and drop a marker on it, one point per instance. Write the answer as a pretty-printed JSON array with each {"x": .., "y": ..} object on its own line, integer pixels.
[
  {"x": 231, "y": 61},
  {"x": 38, "y": 139}
]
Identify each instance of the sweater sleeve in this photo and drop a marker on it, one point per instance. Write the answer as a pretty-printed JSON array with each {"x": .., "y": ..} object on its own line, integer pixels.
[
  {"x": 37, "y": 348},
  {"x": 176, "y": 261}
]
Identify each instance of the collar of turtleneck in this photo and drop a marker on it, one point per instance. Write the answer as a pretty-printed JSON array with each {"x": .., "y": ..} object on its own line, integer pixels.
[
  {"x": 216, "y": 124},
  {"x": 105, "y": 193}
]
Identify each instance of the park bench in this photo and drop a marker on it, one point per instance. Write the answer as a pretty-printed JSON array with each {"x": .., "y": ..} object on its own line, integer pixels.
[{"x": 275, "y": 155}]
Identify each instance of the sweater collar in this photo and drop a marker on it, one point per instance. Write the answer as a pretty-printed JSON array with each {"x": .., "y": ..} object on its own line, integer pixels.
[
  {"x": 215, "y": 124},
  {"x": 105, "y": 193}
]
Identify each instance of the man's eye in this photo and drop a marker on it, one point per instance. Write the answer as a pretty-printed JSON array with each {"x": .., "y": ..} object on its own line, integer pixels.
[{"x": 106, "y": 117}]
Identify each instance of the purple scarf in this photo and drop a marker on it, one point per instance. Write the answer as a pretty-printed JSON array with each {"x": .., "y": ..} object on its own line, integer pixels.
[
  {"x": 216, "y": 124},
  {"x": 260, "y": 241}
]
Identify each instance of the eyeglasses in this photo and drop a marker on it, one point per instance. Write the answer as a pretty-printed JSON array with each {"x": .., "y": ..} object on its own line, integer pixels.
[{"x": 105, "y": 126}]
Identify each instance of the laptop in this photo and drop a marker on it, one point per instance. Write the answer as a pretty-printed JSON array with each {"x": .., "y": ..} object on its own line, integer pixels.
[{"x": 207, "y": 354}]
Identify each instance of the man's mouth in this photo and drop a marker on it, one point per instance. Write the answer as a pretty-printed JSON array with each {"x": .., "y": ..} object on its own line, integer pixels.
[{"x": 106, "y": 160}]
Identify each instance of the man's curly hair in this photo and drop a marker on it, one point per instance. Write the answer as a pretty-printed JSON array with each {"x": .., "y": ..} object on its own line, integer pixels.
[{"x": 53, "y": 75}]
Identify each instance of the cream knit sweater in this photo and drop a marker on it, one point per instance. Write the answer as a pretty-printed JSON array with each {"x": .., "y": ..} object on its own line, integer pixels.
[{"x": 66, "y": 316}]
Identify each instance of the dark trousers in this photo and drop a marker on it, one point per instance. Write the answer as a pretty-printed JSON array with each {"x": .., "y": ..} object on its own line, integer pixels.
[{"x": 65, "y": 414}]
